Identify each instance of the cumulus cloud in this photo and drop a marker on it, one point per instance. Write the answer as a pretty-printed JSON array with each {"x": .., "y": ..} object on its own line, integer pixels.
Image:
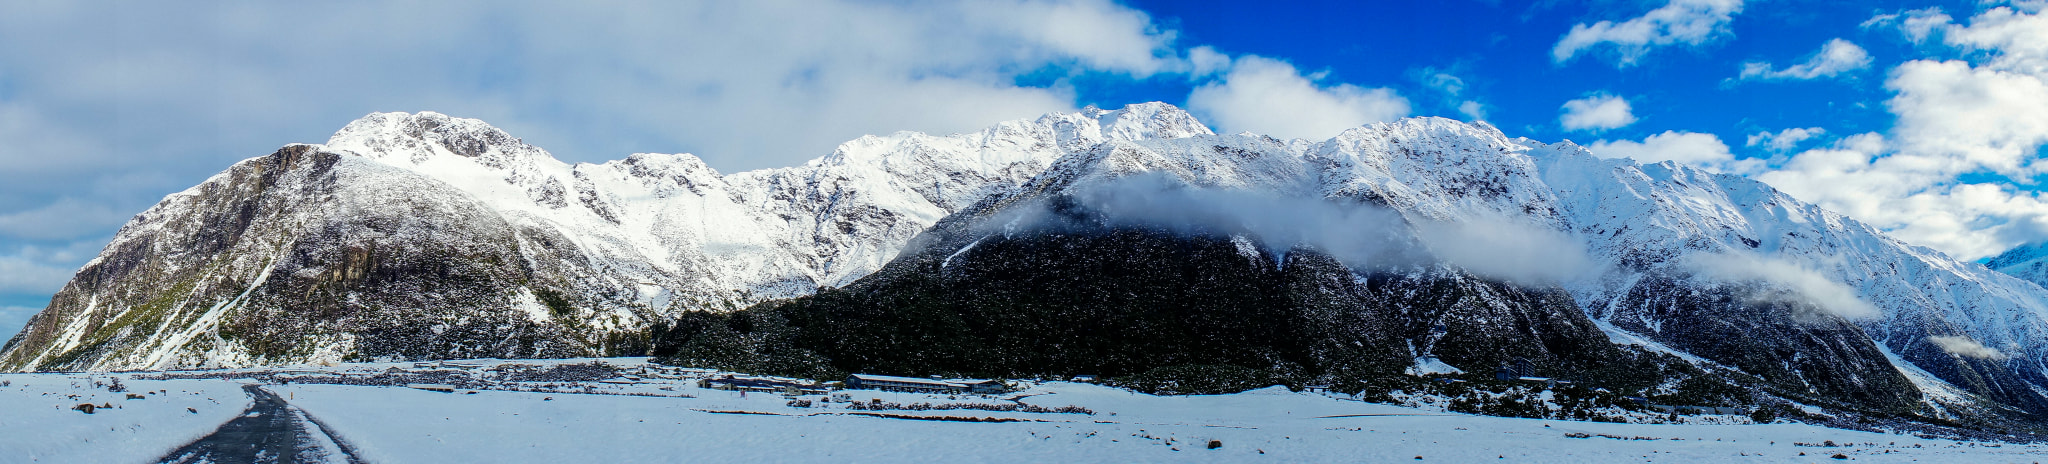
[
  {"x": 1913, "y": 198},
  {"x": 1204, "y": 61},
  {"x": 1786, "y": 282},
  {"x": 1960, "y": 345},
  {"x": 1784, "y": 140},
  {"x": 1984, "y": 116},
  {"x": 1271, "y": 97},
  {"x": 1596, "y": 113},
  {"x": 1705, "y": 151},
  {"x": 1680, "y": 22},
  {"x": 1834, "y": 58}
]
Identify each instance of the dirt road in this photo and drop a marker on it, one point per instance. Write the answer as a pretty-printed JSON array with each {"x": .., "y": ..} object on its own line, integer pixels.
[{"x": 271, "y": 431}]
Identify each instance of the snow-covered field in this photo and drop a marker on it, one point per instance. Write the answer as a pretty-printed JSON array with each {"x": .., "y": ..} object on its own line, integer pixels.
[
  {"x": 661, "y": 415},
  {"x": 38, "y": 422}
]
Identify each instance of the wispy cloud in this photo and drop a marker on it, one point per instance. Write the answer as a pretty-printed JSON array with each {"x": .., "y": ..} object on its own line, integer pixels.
[
  {"x": 1784, "y": 140},
  {"x": 1917, "y": 25},
  {"x": 1835, "y": 57},
  {"x": 1960, "y": 345},
  {"x": 1681, "y": 22},
  {"x": 1784, "y": 282}
]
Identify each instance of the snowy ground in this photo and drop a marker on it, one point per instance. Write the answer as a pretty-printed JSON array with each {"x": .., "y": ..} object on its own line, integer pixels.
[
  {"x": 664, "y": 417},
  {"x": 38, "y": 422}
]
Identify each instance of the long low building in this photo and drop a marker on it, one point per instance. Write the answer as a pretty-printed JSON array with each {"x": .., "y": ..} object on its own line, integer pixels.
[
  {"x": 761, "y": 385},
  {"x": 914, "y": 384}
]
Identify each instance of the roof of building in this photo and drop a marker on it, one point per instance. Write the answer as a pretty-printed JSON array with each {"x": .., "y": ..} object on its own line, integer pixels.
[
  {"x": 922, "y": 381},
  {"x": 891, "y": 378}
]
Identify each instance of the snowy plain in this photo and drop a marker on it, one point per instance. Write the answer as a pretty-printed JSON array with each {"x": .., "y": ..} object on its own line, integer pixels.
[
  {"x": 38, "y": 422},
  {"x": 649, "y": 413}
]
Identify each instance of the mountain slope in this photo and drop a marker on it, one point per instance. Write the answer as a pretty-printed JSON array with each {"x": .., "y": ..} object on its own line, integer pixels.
[
  {"x": 1162, "y": 253},
  {"x": 1814, "y": 306},
  {"x": 425, "y": 236}
]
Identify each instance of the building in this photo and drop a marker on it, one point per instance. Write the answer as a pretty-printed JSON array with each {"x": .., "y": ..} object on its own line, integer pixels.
[
  {"x": 932, "y": 385},
  {"x": 731, "y": 383}
]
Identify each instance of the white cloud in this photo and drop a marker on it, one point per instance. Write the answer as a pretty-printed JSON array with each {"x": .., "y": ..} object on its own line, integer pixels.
[
  {"x": 1917, "y": 25},
  {"x": 1442, "y": 81},
  {"x": 743, "y": 84},
  {"x": 1271, "y": 97},
  {"x": 1987, "y": 117},
  {"x": 1204, "y": 61},
  {"x": 1705, "y": 151},
  {"x": 1687, "y": 22},
  {"x": 1834, "y": 58},
  {"x": 1795, "y": 283},
  {"x": 95, "y": 125},
  {"x": 1960, "y": 345},
  {"x": 1472, "y": 110},
  {"x": 2018, "y": 41},
  {"x": 1453, "y": 89},
  {"x": 1952, "y": 112},
  {"x": 1784, "y": 140},
  {"x": 1596, "y": 113},
  {"x": 1508, "y": 249}
]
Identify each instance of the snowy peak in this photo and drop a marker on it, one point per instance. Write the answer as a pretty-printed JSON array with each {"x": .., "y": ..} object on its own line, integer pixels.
[
  {"x": 1056, "y": 133},
  {"x": 1153, "y": 120},
  {"x": 397, "y": 137},
  {"x": 2028, "y": 262},
  {"x": 2018, "y": 256}
]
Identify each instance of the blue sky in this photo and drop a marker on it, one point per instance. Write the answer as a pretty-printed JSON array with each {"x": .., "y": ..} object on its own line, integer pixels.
[{"x": 1923, "y": 118}]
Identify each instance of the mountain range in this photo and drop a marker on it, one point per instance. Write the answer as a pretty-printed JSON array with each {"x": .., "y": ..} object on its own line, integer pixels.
[{"x": 1106, "y": 242}]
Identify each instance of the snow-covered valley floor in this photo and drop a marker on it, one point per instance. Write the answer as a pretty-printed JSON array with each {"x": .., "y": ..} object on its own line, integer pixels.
[{"x": 554, "y": 411}]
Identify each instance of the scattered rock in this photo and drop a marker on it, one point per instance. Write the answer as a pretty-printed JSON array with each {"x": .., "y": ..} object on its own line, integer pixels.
[
  {"x": 85, "y": 408},
  {"x": 1213, "y": 444}
]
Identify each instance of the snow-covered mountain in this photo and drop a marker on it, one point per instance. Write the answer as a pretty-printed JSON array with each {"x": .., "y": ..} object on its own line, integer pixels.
[
  {"x": 427, "y": 236},
  {"x": 1716, "y": 268}
]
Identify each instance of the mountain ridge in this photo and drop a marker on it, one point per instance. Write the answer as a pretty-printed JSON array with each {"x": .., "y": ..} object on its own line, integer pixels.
[
  {"x": 560, "y": 258},
  {"x": 620, "y": 245}
]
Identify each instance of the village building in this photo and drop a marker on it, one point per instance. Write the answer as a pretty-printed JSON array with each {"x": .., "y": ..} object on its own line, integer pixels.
[
  {"x": 731, "y": 383},
  {"x": 931, "y": 385}
]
